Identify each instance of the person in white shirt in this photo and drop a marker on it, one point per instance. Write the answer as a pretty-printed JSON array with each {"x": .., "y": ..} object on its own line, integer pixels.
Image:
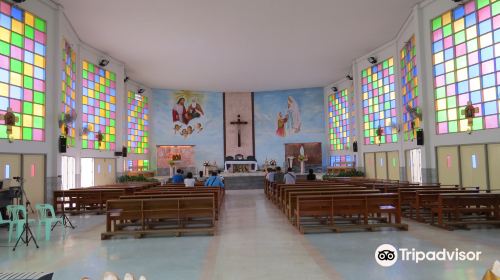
[
  {"x": 290, "y": 177},
  {"x": 189, "y": 180},
  {"x": 270, "y": 175}
]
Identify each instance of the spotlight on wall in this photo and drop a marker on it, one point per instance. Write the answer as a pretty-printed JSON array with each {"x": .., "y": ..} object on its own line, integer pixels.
[
  {"x": 349, "y": 77},
  {"x": 126, "y": 79},
  {"x": 18, "y": 1},
  {"x": 141, "y": 91},
  {"x": 334, "y": 89},
  {"x": 103, "y": 62},
  {"x": 372, "y": 59},
  {"x": 457, "y": 1}
]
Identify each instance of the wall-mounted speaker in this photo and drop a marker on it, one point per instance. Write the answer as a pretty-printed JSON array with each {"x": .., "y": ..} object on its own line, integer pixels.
[
  {"x": 355, "y": 146},
  {"x": 124, "y": 151},
  {"x": 118, "y": 154},
  {"x": 62, "y": 144},
  {"x": 420, "y": 137}
]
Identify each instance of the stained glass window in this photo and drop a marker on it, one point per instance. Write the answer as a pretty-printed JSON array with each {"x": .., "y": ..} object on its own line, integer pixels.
[
  {"x": 466, "y": 66},
  {"x": 379, "y": 103},
  {"x": 137, "y": 112},
  {"x": 138, "y": 165},
  {"x": 409, "y": 90},
  {"x": 68, "y": 93},
  {"x": 343, "y": 160},
  {"x": 339, "y": 120},
  {"x": 98, "y": 108},
  {"x": 22, "y": 72}
]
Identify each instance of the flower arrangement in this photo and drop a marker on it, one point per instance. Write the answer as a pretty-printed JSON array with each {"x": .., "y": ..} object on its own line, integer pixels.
[
  {"x": 171, "y": 162},
  {"x": 206, "y": 163},
  {"x": 176, "y": 157},
  {"x": 272, "y": 162},
  {"x": 302, "y": 158}
]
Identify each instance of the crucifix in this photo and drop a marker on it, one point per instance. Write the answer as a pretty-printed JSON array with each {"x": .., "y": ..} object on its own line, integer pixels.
[
  {"x": 10, "y": 120},
  {"x": 470, "y": 112},
  {"x": 238, "y": 123}
]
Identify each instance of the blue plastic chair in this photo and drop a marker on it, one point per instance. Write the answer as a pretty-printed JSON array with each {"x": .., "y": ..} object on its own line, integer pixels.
[
  {"x": 44, "y": 218},
  {"x": 10, "y": 223},
  {"x": 14, "y": 212}
]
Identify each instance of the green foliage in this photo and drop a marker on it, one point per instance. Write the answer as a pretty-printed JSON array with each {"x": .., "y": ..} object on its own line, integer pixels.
[
  {"x": 351, "y": 173},
  {"x": 140, "y": 178}
]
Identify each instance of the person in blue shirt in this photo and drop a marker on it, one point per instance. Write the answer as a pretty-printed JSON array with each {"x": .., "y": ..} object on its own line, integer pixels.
[
  {"x": 214, "y": 181},
  {"x": 178, "y": 178}
]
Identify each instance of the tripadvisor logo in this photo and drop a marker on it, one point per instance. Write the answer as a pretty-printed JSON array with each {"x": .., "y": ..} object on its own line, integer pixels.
[{"x": 387, "y": 255}]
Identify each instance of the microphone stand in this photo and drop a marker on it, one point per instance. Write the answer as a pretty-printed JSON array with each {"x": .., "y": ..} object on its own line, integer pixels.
[
  {"x": 66, "y": 222},
  {"x": 28, "y": 234}
]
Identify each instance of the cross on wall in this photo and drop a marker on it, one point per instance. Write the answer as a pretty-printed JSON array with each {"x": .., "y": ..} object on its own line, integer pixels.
[
  {"x": 470, "y": 112},
  {"x": 238, "y": 123},
  {"x": 10, "y": 120}
]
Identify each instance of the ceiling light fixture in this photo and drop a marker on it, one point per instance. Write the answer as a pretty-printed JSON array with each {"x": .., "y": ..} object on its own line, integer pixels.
[
  {"x": 334, "y": 89},
  {"x": 372, "y": 59},
  {"x": 141, "y": 90},
  {"x": 103, "y": 62},
  {"x": 349, "y": 77}
]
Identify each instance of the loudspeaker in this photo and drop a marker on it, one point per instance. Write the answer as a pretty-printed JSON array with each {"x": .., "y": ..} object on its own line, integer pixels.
[
  {"x": 355, "y": 146},
  {"x": 118, "y": 154},
  {"x": 124, "y": 151},
  {"x": 420, "y": 137},
  {"x": 62, "y": 144}
]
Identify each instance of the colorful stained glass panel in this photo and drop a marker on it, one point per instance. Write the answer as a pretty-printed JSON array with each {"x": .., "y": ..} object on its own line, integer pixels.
[
  {"x": 68, "y": 93},
  {"x": 138, "y": 123},
  {"x": 22, "y": 72},
  {"x": 98, "y": 108},
  {"x": 410, "y": 90},
  {"x": 339, "y": 120},
  {"x": 379, "y": 103},
  {"x": 466, "y": 66},
  {"x": 138, "y": 165}
]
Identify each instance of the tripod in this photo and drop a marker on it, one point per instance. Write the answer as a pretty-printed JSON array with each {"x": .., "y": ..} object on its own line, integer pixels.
[
  {"x": 66, "y": 222},
  {"x": 28, "y": 234}
]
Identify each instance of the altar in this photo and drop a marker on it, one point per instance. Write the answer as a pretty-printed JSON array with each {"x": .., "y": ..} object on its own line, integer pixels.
[{"x": 251, "y": 163}]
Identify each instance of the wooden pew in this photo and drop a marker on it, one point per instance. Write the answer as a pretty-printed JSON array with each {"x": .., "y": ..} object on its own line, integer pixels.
[
  {"x": 138, "y": 217},
  {"x": 425, "y": 199},
  {"x": 293, "y": 195},
  {"x": 463, "y": 209},
  {"x": 367, "y": 207},
  {"x": 78, "y": 201},
  {"x": 285, "y": 192},
  {"x": 280, "y": 188}
]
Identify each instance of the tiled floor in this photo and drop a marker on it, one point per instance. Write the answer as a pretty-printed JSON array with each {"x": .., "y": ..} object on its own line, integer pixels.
[{"x": 254, "y": 241}]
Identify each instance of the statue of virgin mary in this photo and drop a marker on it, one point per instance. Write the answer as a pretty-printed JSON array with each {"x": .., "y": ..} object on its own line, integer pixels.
[{"x": 294, "y": 121}]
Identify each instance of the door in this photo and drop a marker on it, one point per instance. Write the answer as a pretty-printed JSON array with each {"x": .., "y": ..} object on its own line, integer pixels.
[
  {"x": 34, "y": 178},
  {"x": 381, "y": 165},
  {"x": 370, "y": 165},
  {"x": 414, "y": 165},
  {"x": 493, "y": 164},
  {"x": 104, "y": 171},
  {"x": 10, "y": 167},
  {"x": 393, "y": 165},
  {"x": 87, "y": 172},
  {"x": 448, "y": 165},
  {"x": 68, "y": 171},
  {"x": 473, "y": 166}
]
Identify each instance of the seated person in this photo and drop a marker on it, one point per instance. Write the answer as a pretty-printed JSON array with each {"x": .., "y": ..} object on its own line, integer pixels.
[
  {"x": 201, "y": 178},
  {"x": 220, "y": 176},
  {"x": 178, "y": 178},
  {"x": 289, "y": 177},
  {"x": 189, "y": 181},
  {"x": 214, "y": 181},
  {"x": 270, "y": 175},
  {"x": 279, "y": 176},
  {"x": 311, "y": 176}
]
